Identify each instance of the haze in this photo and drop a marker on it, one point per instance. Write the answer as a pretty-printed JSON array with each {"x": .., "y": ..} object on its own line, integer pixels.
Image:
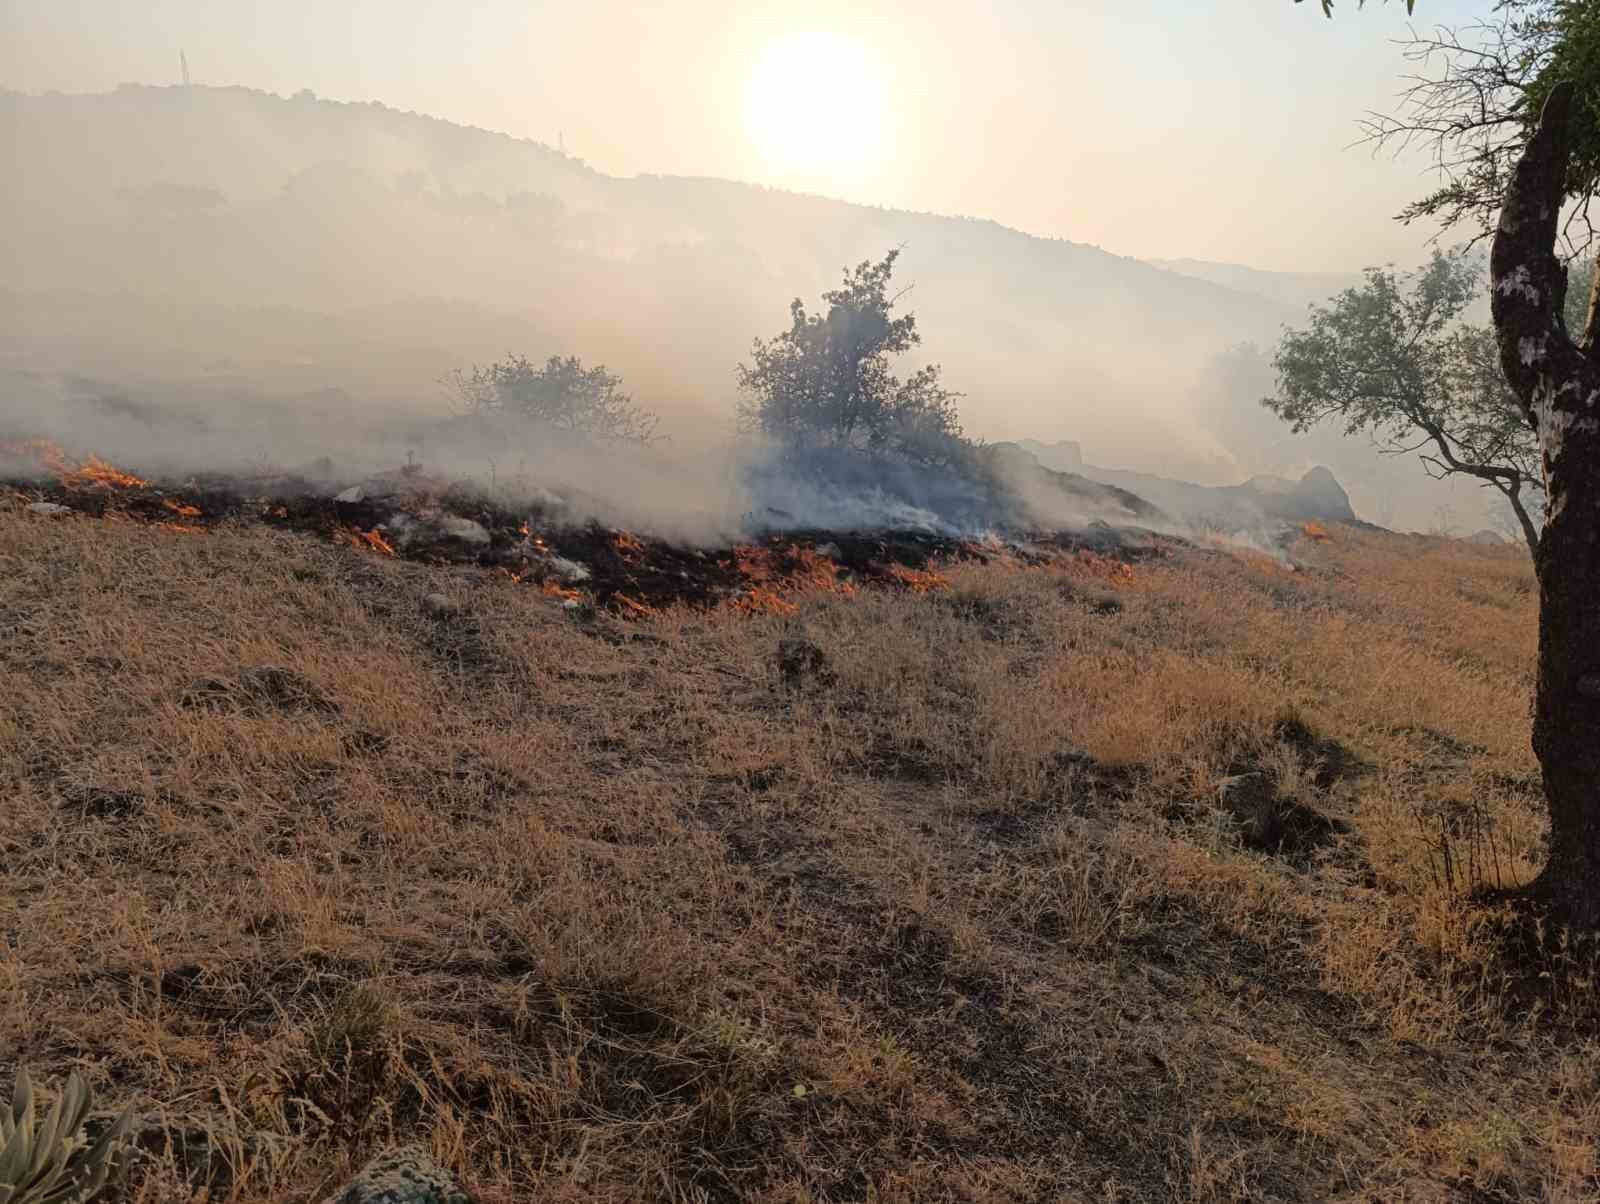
[
  {"x": 1154, "y": 128},
  {"x": 1158, "y": 131}
]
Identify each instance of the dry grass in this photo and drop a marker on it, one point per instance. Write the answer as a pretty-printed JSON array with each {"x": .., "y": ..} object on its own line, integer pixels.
[{"x": 611, "y": 912}]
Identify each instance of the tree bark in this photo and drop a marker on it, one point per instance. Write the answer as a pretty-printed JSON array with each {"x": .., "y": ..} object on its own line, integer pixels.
[{"x": 1559, "y": 387}]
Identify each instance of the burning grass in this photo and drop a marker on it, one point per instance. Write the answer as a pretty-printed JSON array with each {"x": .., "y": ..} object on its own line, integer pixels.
[{"x": 624, "y": 911}]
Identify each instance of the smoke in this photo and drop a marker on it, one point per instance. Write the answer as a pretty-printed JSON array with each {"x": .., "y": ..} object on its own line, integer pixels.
[{"x": 215, "y": 280}]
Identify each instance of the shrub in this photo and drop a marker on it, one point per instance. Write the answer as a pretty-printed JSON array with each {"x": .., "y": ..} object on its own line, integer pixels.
[
  {"x": 561, "y": 394},
  {"x": 51, "y": 1162}
]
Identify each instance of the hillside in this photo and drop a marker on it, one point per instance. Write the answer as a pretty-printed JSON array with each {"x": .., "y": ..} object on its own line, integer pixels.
[
  {"x": 302, "y": 224},
  {"x": 1063, "y": 879},
  {"x": 1254, "y": 505},
  {"x": 1295, "y": 290}
]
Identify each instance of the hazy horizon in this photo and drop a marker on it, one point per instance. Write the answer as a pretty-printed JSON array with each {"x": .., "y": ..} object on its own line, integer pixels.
[
  {"x": 1058, "y": 120},
  {"x": 292, "y": 273}
]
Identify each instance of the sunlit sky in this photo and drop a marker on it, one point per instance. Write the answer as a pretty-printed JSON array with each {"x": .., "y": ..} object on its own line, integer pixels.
[{"x": 1157, "y": 128}]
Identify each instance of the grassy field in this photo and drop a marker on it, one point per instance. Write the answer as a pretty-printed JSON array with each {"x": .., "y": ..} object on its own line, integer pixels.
[{"x": 669, "y": 910}]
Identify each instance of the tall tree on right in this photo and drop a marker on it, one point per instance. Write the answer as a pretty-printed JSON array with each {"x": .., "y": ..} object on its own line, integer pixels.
[{"x": 1556, "y": 376}]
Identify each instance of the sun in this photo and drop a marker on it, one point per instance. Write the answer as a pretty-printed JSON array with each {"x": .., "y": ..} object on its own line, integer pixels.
[{"x": 814, "y": 107}]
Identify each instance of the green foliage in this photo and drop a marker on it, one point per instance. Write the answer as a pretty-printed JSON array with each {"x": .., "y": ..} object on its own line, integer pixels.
[
  {"x": 1392, "y": 359},
  {"x": 1327, "y": 6},
  {"x": 561, "y": 394},
  {"x": 1575, "y": 56},
  {"x": 51, "y": 1162},
  {"x": 827, "y": 380},
  {"x": 1477, "y": 99}
]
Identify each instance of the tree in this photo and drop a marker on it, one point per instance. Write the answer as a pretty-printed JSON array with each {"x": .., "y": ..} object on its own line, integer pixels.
[
  {"x": 562, "y": 394},
  {"x": 1475, "y": 101},
  {"x": 1327, "y": 6},
  {"x": 827, "y": 380},
  {"x": 1556, "y": 379},
  {"x": 1392, "y": 359}
]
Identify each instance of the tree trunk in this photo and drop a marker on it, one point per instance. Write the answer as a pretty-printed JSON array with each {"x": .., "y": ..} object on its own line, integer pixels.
[
  {"x": 1530, "y": 533},
  {"x": 1559, "y": 387}
]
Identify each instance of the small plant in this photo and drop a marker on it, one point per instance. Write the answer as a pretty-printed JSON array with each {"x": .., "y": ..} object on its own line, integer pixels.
[
  {"x": 352, "y": 1025},
  {"x": 52, "y": 1163}
]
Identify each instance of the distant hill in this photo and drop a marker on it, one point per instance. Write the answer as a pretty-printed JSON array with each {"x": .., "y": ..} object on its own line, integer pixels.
[
  {"x": 1293, "y": 289},
  {"x": 1316, "y": 495},
  {"x": 261, "y": 207}
]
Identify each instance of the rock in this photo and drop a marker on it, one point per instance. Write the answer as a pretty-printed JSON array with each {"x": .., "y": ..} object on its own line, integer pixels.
[
  {"x": 440, "y": 606},
  {"x": 830, "y": 550},
  {"x": 408, "y": 1175},
  {"x": 798, "y": 658},
  {"x": 1252, "y": 802},
  {"x": 444, "y": 534},
  {"x": 570, "y": 571},
  {"x": 1272, "y": 824},
  {"x": 1318, "y": 494},
  {"x": 351, "y": 496},
  {"x": 463, "y": 529},
  {"x": 49, "y": 509}
]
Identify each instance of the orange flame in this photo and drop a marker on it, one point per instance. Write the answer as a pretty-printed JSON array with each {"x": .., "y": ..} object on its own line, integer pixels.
[
  {"x": 760, "y": 600},
  {"x": 180, "y": 508},
  {"x": 551, "y": 588},
  {"x": 355, "y": 537},
  {"x": 918, "y": 581},
  {"x": 633, "y": 606},
  {"x": 93, "y": 473},
  {"x": 1315, "y": 531},
  {"x": 1108, "y": 567}
]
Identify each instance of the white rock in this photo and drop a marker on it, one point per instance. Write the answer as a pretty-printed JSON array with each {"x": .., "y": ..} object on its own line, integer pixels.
[
  {"x": 352, "y": 495},
  {"x": 569, "y": 571},
  {"x": 463, "y": 529},
  {"x": 49, "y": 508},
  {"x": 439, "y": 605}
]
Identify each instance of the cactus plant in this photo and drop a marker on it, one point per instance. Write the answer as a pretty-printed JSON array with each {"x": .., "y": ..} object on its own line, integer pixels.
[{"x": 52, "y": 1163}]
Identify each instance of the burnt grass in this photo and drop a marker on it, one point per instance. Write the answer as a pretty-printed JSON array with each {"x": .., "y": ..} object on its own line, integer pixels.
[
  {"x": 628, "y": 574},
  {"x": 916, "y": 892}
]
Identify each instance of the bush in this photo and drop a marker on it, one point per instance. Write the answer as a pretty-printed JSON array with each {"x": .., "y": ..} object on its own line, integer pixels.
[
  {"x": 561, "y": 394},
  {"x": 826, "y": 381}
]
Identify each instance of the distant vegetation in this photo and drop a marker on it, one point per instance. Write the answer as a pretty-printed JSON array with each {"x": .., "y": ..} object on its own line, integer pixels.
[
  {"x": 560, "y": 394},
  {"x": 1392, "y": 359},
  {"x": 828, "y": 380}
]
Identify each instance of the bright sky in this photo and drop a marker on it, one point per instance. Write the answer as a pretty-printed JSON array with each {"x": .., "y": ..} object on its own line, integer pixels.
[{"x": 1217, "y": 129}]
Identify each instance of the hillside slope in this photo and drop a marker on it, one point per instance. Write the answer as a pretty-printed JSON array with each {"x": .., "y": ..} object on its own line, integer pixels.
[
  {"x": 245, "y": 201},
  {"x": 310, "y": 850},
  {"x": 1297, "y": 290}
]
